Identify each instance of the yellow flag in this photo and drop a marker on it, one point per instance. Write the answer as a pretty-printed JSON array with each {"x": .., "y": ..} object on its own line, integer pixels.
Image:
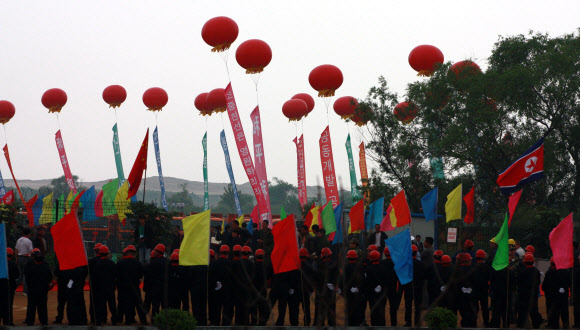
[
  {"x": 69, "y": 200},
  {"x": 46, "y": 216},
  {"x": 315, "y": 216},
  {"x": 194, "y": 249},
  {"x": 453, "y": 204},
  {"x": 121, "y": 201},
  {"x": 241, "y": 220},
  {"x": 393, "y": 216}
]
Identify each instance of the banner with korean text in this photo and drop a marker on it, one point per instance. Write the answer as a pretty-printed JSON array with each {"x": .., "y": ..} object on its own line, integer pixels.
[
  {"x": 301, "y": 169},
  {"x": 328, "y": 173},
  {"x": 260, "y": 158},
  {"x": 64, "y": 161}
]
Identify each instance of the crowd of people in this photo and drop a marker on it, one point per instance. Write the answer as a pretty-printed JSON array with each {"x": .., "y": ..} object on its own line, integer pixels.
[{"x": 239, "y": 286}]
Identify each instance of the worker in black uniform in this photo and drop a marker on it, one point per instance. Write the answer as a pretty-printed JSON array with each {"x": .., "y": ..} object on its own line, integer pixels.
[
  {"x": 353, "y": 288},
  {"x": 326, "y": 282},
  {"x": 376, "y": 289},
  {"x": 391, "y": 285},
  {"x": 8, "y": 285},
  {"x": 556, "y": 286},
  {"x": 105, "y": 283},
  {"x": 176, "y": 284},
  {"x": 211, "y": 296},
  {"x": 286, "y": 289},
  {"x": 307, "y": 274},
  {"x": 528, "y": 286},
  {"x": 122, "y": 306},
  {"x": 197, "y": 288},
  {"x": 498, "y": 283},
  {"x": 482, "y": 276},
  {"x": 39, "y": 277},
  {"x": 413, "y": 291},
  {"x": 130, "y": 272},
  {"x": 434, "y": 279},
  {"x": 259, "y": 310},
  {"x": 238, "y": 286},
  {"x": 220, "y": 283},
  {"x": 91, "y": 262},
  {"x": 76, "y": 311},
  {"x": 148, "y": 284},
  {"x": 158, "y": 270},
  {"x": 465, "y": 291},
  {"x": 446, "y": 271},
  {"x": 244, "y": 280},
  {"x": 62, "y": 279}
]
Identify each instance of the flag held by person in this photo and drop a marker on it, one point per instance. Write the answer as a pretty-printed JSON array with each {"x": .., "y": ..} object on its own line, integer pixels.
[
  {"x": 139, "y": 166},
  {"x": 453, "y": 204},
  {"x": 357, "y": 217},
  {"x": 68, "y": 242},
  {"x": 469, "y": 200},
  {"x": 502, "y": 258},
  {"x": 328, "y": 218},
  {"x": 402, "y": 255},
  {"x": 561, "y": 243},
  {"x": 528, "y": 168},
  {"x": 285, "y": 255},
  {"x": 194, "y": 249},
  {"x": 429, "y": 205}
]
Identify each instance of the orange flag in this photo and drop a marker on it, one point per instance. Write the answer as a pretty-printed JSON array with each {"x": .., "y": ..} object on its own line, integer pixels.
[
  {"x": 401, "y": 208},
  {"x": 138, "y": 167}
]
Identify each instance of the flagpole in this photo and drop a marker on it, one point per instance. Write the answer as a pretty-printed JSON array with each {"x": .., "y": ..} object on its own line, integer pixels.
[{"x": 144, "y": 184}]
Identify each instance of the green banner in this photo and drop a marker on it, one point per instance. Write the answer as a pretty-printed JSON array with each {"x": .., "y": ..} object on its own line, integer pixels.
[
  {"x": 205, "y": 183},
  {"x": 118, "y": 161},
  {"x": 355, "y": 194}
]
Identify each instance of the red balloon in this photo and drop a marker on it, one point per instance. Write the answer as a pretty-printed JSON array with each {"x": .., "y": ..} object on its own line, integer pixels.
[
  {"x": 294, "y": 109},
  {"x": 155, "y": 98},
  {"x": 254, "y": 55},
  {"x": 220, "y": 32},
  {"x": 306, "y": 98},
  {"x": 424, "y": 58},
  {"x": 114, "y": 95},
  {"x": 201, "y": 104},
  {"x": 54, "y": 99},
  {"x": 405, "y": 112},
  {"x": 464, "y": 69},
  {"x": 359, "y": 116},
  {"x": 216, "y": 100},
  {"x": 7, "y": 111},
  {"x": 326, "y": 79},
  {"x": 345, "y": 106}
]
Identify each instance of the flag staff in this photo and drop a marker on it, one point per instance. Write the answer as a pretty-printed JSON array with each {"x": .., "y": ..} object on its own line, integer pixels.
[{"x": 144, "y": 184}]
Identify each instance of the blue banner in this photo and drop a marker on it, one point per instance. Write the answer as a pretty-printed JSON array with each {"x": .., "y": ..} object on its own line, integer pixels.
[
  {"x": 3, "y": 256},
  {"x": 37, "y": 209},
  {"x": 158, "y": 158},
  {"x": 2, "y": 188},
  {"x": 224, "y": 143},
  {"x": 88, "y": 202}
]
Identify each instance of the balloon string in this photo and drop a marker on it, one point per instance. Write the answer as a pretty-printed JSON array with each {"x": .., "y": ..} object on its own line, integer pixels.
[
  {"x": 5, "y": 136},
  {"x": 206, "y": 125},
  {"x": 58, "y": 121},
  {"x": 296, "y": 124},
  {"x": 222, "y": 117},
  {"x": 227, "y": 68},
  {"x": 116, "y": 120}
]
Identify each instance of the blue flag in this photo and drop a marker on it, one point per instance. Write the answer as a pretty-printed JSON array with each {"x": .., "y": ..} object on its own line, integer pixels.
[
  {"x": 402, "y": 255},
  {"x": 224, "y": 144},
  {"x": 3, "y": 256},
  {"x": 88, "y": 202},
  {"x": 338, "y": 216},
  {"x": 158, "y": 158},
  {"x": 37, "y": 209},
  {"x": 429, "y": 204},
  {"x": 375, "y": 213}
]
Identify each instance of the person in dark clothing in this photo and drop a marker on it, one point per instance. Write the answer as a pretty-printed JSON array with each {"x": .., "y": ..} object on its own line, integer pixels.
[
  {"x": 62, "y": 279},
  {"x": 445, "y": 270},
  {"x": 413, "y": 291},
  {"x": 375, "y": 290},
  {"x": 105, "y": 283},
  {"x": 528, "y": 287},
  {"x": 39, "y": 241},
  {"x": 148, "y": 285},
  {"x": 76, "y": 311},
  {"x": 259, "y": 309},
  {"x": 158, "y": 271},
  {"x": 556, "y": 286},
  {"x": 130, "y": 272},
  {"x": 465, "y": 292},
  {"x": 434, "y": 280},
  {"x": 176, "y": 285},
  {"x": 143, "y": 238},
  {"x": 499, "y": 282},
  {"x": 39, "y": 277},
  {"x": 482, "y": 276},
  {"x": 326, "y": 283},
  {"x": 211, "y": 296},
  {"x": 287, "y": 291},
  {"x": 8, "y": 285},
  {"x": 266, "y": 241},
  {"x": 220, "y": 274},
  {"x": 308, "y": 283},
  {"x": 391, "y": 284},
  {"x": 239, "y": 287},
  {"x": 91, "y": 263},
  {"x": 320, "y": 242},
  {"x": 353, "y": 287},
  {"x": 467, "y": 248},
  {"x": 377, "y": 238},
  {"x": 198, "y": 290}
]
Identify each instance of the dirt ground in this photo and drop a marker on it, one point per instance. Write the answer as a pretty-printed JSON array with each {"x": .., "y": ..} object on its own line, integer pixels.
[{"x": 20, "y": 302}]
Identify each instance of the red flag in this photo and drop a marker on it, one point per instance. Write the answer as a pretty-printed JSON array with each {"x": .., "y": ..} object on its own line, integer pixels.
[
  {"x": 68, "y": 242},
  {"x": 99, "y": 204},
  {"x": 309, "y": 217},
  {"x": 561, "y": 240},
  {"x": 386, "y": 224},
  {"x": 514, "y": 199},
  {"x": 529, "y": 167},
  {"x": 469, "y": 200},
  {"x": 7, "y": 155},
  {"x": 8, "y": 198},
  {"x": 401, "y": 208},
  {"x": 29, "y": 212},
  {"x": 255, "y": 216},
  {"x": 357, "y": 216},
  {"x": 138, "y": 167},
  {"x": 285, "y": 253}
]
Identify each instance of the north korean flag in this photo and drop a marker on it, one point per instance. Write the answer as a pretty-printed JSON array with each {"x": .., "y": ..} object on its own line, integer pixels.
[{"x": 528, "y": 168}]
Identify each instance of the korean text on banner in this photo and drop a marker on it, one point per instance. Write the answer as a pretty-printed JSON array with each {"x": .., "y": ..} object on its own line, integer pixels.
[
  {"x": 330, "y": 187},
  {"x": 64, "y": 161},
  {"x": 260, "y": 159},
  {"x": 159, "y": 170},
  {"x": 301, "y": 169}
]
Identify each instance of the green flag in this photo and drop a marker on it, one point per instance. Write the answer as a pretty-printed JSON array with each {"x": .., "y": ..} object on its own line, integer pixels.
[
  {"x": 60, "y": 210},
  {"x": 118, "y": 161},
  {"x": 109, "y": 194},
  {"x": 282, "y": 213},
  {"x": 328, "y": 219},
  {"x": 355, "y": 194},
  {"x": 502, "y": 258},
  {"x": 205, "y": 183}
]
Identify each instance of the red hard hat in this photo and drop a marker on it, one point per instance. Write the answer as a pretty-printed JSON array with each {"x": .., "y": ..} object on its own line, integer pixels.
[
  {"x": 98, "y": 245},
  {"x": 125, "y": 250},
  {"x": 415, "y": 248},
  {"x": 446, "y": 259},
  {"x": 246, "y": 249},
  {"x": 529, "y": 258},
  {"x": 438, "y": 253},
  {"x": 326, "y": 252},
  {"x": 372, "y": 247},
  {"x": 103, "y": 249},
  {"x": 260, "y": 252},
  {"x": 153, "y": 254},
  {"x": 464, "y": 258},
  {"x": 9, "y": 251},
  {"x": 374, "y": 255},
  {"x": 176, "y": 251},
  {"x": 303, "y": 252},
  {"x": 131, "y": 248},
  {"x": 480, "y": 254},
  {"x": 351, "y": 254},
  {"x": 531, "y": 249},
  {"x": 174, "y": 256},
  {"x": 211, "y": 253},
  {"x": 237, "y": 248},
  {"x": 224, "y": 249},
  {"x": 160, "y": 248},
  {"x": 468, "y": 243},
  {"x": 387, "y": 252}
]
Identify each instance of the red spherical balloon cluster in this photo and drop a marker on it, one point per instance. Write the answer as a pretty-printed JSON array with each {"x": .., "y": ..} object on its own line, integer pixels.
[
  {"x": 361, "y": 116},
  {"x": 155, "y": 98},
  {"x": 54, "y": 99},
  {"x": 309, "y": 100},
  {"x": 201, "y": 104},
  {"x": 7, "y": 111},
  {"x": 345, "y": 107},
  {"x": 424, "y": 59},
  {"x": 295, "y": 109},
  {"x": 220, "y": 32},
  {"x": 326, "y": 79},
  {"x": 114, "y": 95},
  {"x": 465, "y": 69},
  {"x": 405, "y": 112},
  {"x": 216, "y": 100},
  {"x": 253, "y": 55}
]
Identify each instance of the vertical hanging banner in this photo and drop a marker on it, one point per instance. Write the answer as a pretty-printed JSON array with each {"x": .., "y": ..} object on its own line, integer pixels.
[
  {"x": 2, "y": 187},
  {"x": 158, "y": 158},
  {"x": 205, "y": 182},
  {"x": 302, "y": 195},
  {"x": 64, "y": 161},
  {"x": 330, "y": 187},
  {"x": 362, "y": 163},
  {"x": 260, "y": 158},
  {"x": 354, "y": 193},
  {"x": 243, "y": 150},
  {"x": 224, "y": 143},
  {"x": 118, "y": 161},
  {"x": 7, "y": 155}
]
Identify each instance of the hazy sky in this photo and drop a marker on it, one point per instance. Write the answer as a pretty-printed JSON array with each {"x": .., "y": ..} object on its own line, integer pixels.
[{"x": 82, "y": 47}]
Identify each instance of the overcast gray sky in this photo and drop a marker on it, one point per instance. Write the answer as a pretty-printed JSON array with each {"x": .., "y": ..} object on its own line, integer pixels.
[{"x": 84, "y": 46}]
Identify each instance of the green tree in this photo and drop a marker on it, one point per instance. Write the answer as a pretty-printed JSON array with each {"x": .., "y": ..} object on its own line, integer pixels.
[
  {"x": 284, "y": 194},
  {"x": 183, "y": 197},
  {"x": 227, "y": 203},
  {"x": 158, "y": 218}
]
